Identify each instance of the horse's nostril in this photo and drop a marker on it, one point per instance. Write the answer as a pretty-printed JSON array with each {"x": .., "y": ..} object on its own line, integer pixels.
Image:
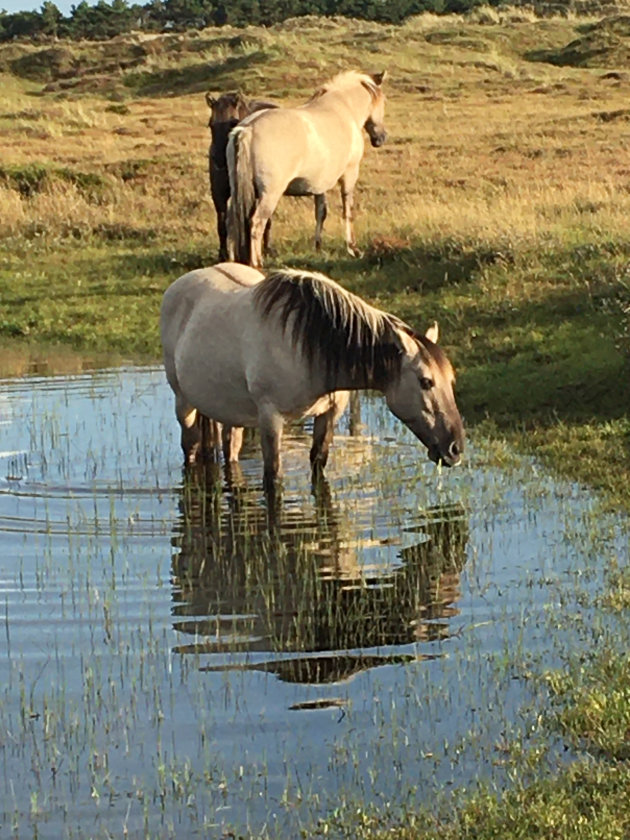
[{"x": 454, "y": 450}]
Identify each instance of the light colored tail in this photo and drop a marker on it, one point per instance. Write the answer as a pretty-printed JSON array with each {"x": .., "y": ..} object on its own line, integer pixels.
[{"x": 242, "y": 195}]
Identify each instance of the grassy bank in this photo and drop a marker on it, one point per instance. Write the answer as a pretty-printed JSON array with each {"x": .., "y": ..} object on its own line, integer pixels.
[
  {"x": 499, "y": 206},
  {"x": 590, "y": 706}
]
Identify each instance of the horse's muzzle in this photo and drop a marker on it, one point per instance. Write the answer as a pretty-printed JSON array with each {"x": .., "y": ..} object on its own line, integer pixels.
[
  {"x": 450, "y": 458},
  {"x": 377, "y": 139}
]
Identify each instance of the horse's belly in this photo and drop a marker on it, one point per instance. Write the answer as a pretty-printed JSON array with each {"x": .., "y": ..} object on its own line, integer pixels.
[
  {"x": 225, "y": 405},
  {"x": 309, "y": 408},
  {"x": 300, "y": 186},
  {"x": 215, "y": 387}
]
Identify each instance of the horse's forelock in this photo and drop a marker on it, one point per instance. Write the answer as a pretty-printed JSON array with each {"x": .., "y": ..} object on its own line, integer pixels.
[
  {"x": 372, "y": 88},
  {"x": 229, "y": 106},
  {"x": 435, "y": 354}
]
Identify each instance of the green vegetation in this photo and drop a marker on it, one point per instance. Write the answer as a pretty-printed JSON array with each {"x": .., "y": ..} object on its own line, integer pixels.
[
  {"x": 588, "y": 802},
  {"x": 106, "y": 20},
  {"x": 499, "y": 207}
]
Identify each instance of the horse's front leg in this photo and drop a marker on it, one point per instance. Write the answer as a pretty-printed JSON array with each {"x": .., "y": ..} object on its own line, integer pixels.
[
  {"x": 348, "y": 182},
  {"x": 271, "y": 425},
  {"x": 222, "y": 234},
  {"x": 321, "y": 211},
  {"x": 323, "y": 431},
  {"x": 220, "y": 190}
]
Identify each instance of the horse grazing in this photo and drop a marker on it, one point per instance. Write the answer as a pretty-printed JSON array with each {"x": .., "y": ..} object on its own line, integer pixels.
[
  {"x": 246, "y": 350},
  {"x": 226, "y": 111},
  {"x": 301, "y": 151}
]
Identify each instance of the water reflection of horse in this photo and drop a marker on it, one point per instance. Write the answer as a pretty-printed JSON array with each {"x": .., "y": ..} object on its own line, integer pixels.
[
  {"x": 298, "y": 587},
  {"x": 249, "y": 351},
  {"x": 301, "y": 151},
  {"x": 226, "y": 111}
]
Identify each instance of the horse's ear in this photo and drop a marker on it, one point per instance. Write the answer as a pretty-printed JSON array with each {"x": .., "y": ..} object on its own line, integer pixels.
[
  {"x": 379, "y": 78},
  {"x": 210, "y": 100},
  {"x": 433, "y": 333},
  {"x": 241, "y": 104}
]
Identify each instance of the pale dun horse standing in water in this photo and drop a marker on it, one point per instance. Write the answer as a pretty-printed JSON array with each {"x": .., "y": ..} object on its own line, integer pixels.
[
  {"x": 301, "y": 151},
  {"x": 245, "y": 350}
]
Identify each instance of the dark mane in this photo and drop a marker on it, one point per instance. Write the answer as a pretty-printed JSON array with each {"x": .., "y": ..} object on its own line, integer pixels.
[{"x": 333, "y": 327}]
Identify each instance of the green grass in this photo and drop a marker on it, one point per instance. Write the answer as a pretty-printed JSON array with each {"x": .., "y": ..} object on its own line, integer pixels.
[{"x": 588, "y": 802}]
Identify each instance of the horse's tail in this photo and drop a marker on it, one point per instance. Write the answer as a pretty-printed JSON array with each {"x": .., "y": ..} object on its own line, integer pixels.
[{"x": 242, "y": 194}]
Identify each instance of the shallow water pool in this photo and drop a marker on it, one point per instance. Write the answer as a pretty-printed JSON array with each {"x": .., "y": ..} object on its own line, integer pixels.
[{"x": 178, "y": 661}]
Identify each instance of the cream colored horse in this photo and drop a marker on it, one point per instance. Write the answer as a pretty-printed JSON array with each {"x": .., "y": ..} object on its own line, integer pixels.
[
  {"x": 245, "y": 350},
  {"x": 301, "y": 151}
]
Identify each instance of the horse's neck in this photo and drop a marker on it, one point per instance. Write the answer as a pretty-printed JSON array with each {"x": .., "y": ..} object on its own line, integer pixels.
[
  {"x": 360, "y": 375},
  {"x": 354, "y": 100},
  {"x": 357, "y": 380}
]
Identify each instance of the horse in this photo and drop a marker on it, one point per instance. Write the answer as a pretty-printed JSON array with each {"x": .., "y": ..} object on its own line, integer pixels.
[
  {"x": 301, "y": 151},
  {"x": 252, "y": 351},
  {"x": 226, "y": 111}
]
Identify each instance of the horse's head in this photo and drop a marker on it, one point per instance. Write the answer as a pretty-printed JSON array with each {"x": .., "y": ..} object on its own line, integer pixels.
[
  {"x": 226, "y": 110},
  {"x": 374, "y": 123},
  {"x": 423, "y": 397}
]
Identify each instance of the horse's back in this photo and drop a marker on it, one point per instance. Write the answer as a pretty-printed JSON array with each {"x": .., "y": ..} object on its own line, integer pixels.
[
  {"x": 203, "y": 288},
  {"x": 299, "y": 143}
]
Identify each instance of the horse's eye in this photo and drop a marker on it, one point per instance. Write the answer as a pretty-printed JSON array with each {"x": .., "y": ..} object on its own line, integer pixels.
[{"x": 425, "y": 383}]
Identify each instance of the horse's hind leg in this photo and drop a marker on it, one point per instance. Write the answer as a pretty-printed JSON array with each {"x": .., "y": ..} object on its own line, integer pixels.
[
  {"x": 268, "y": 249},
  {"x": 348, "y": 181},
  {"x": 192, "y": 433},
  {"x": 321, "y": 211},
  {"x": 323, "y": 431},
  {"x": 200, "y": 436},
  {"x": 232, "y": 443},
  {"x": 210, "y": 437},
  {"x": 258, "y": 223}
]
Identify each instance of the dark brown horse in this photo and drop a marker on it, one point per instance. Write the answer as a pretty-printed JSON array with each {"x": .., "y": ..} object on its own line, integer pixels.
[{"x": 226, "y": 111}]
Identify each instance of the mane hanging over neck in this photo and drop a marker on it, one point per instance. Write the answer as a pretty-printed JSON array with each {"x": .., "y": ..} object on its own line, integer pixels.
[
  {"x": 348, "y": 79},
  {"x": 332, "y": 327}
]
